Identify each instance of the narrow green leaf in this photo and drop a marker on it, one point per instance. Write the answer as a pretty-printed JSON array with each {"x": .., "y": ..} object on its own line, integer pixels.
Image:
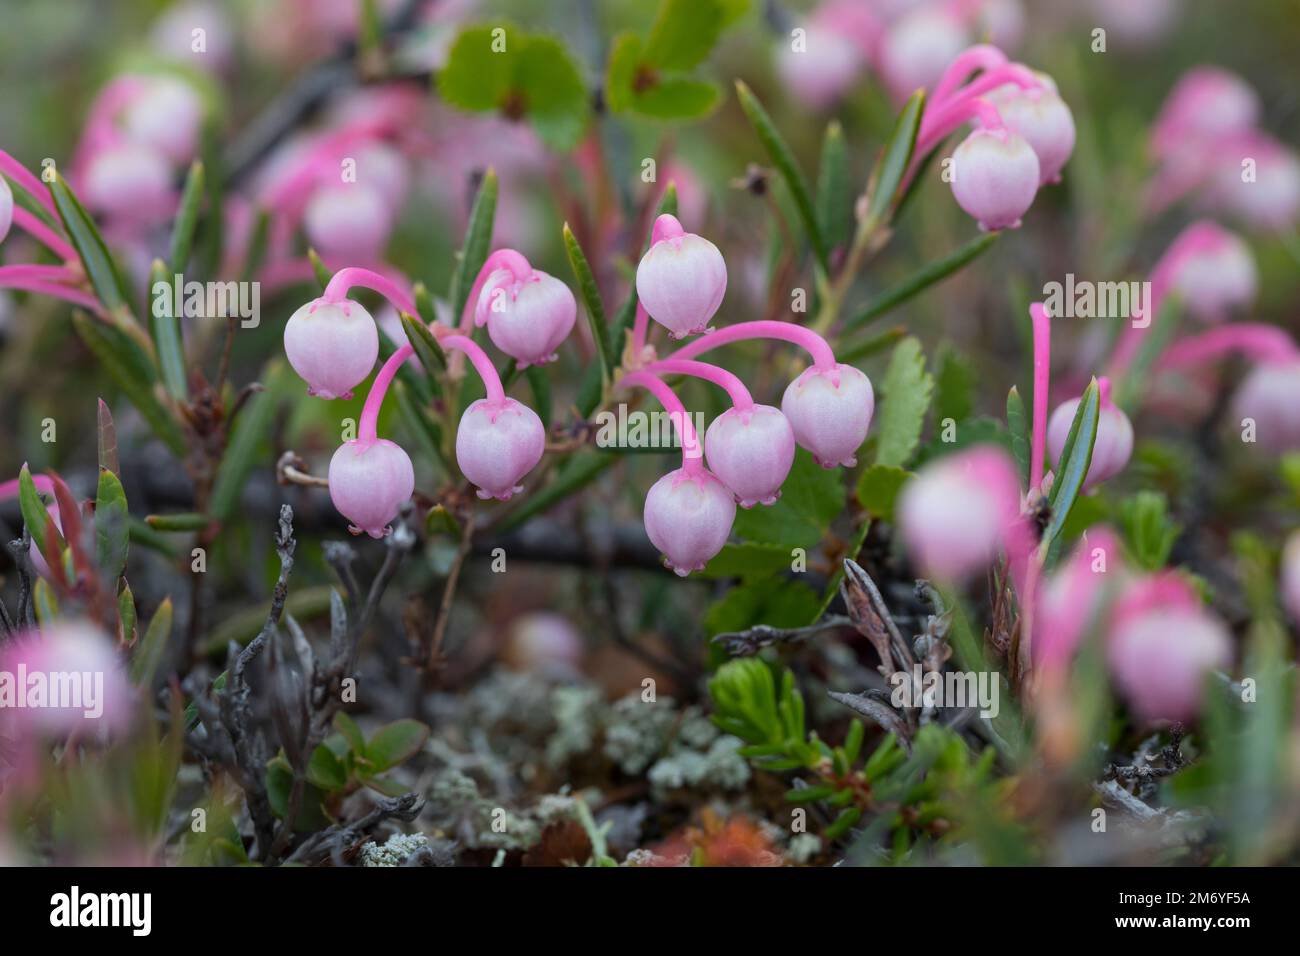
[
  {"x": 931, "y": 274},
  {"x": 45, "y": 603},
  {"x": 426, "y": 346},
  {"x": 91, "y": 248},
  {"x": 134, "y": 373},
  {"x": 257, "y": 245},
  {"x": 540, "y": 385},
  {"x": 187, "y": 218},
  {"x": 126, "y": 613},
  {"x": 149, "y": 652},
  {"x": 834, "y": 203},
  {"x": 841, "y": 825},
  {"x": 809, "y": 794},
  {"x": 1018, "y": 427},
  {"x": 112, "y": 525},
  {"x": 591, "y": 300},
  {"x": 782, "y": 157},
  {"x": 243, "y": 450},
  {"x": 1076, "y": 456},
  {"x": 906, "y": 391},
  {"x": 106, "y": 438},
  {"x": 871, "y": 345},
  {"x": 894, "y": 160},
  {"x": 165, "y": 330},
  {"x": 319, "y": 269},
  {"x": 191, "y": 521},
  {"x": 478, "y": 240},
  {"x": 579, "y": 471}
]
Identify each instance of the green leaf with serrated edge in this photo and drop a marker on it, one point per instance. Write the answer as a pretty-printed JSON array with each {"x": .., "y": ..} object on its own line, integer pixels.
[
  {"x": 396, "y": 742},
  {"x": 1018, "y": 427},
  {"x": 834, "y": 203},
  {"x": 189, "y": 521},
  {"x": 112, "y": 525},
  {"x": 748, "y": 559},
  {"x": 894, "y": 159},
  {"x": 243, "y": 450},
  {"x": 91, "y": 248},
  {"x": 678, "y": 97},
  {"x": 930, "y": 274},
  {"x": 319, "y": 269},
  {"x": 878, "y": 488},
  {"x": 575, "y": 474},
  {"x": 905, "y": 399},
  {"x": 106, "y": 438},
  {"x": 782, "y": 157},
  {"x": 35, "y": 517},
  {"x": 149, "y": 652},
  {"x": 126, "y": 613},
  {"x": 591, "y": 300},
  {"x": 624, "y": 59},
  {"x": 811, "y": 497},
  {"x": 1076, "y": 456},
  {"x": 683, "y": 34},
  {"x": 540, "y": 385},
  {"x": 954, "y": 394},
  {"x": 478, "y": 240},
  {"x": 187, "y": 218},
  {"x": 165, "y": 330},
  {"x": 134, "y": 374}
]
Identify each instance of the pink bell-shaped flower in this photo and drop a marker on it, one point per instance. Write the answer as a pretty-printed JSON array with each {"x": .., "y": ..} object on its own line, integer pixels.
[
  {"x": 526, "y": 318},
  {"x": 369, "y": 481},
  {"x": 6, "y": 208},
  {"x": 166, "y": 115},
  {"x": 497, "y": 444},
  {"x": 1217, "y": 277},
  {"x": 1113, "y": 447},
  {"x": 332, "y": 346},
  {"x": 81, "y": 685},
  {"x": 995, "y": 176},
  {"x": 830, "y": 412},
  {"x": 1291, "y": 576},
  {"x": 1162, "y": 647},
  {"x": 130, "y": 180},
  {"x": 681, "y": 280},
  {"x": 751, "y": 451},
  {"x": 348, "y": 222},
  {"x": 688, "y": 516},
  {"x": 1043, "y": 119},
  {"x": 956, "y": 511},
  {"x": 1267, "y": 403}
]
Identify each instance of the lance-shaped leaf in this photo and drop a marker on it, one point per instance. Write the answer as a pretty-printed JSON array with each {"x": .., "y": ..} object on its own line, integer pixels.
[
  {"x": 91, "y": 248},
  {"x": 426, "y": 346},
  {"x": 126, "y": 615},
  {"x": 594, "y": 307},
  {"x": 319, "y": 269},
  {"x": 478, "y": 240},
  {"x": 1076, "y": 457},
  {"x": 188, "y": 521},
  {"x": 541, "y": 388},
  {"x": 1018, "y": 427},
  {"x": 149, "y": 652},
  {"x": 134, "y": 373},
  {"x": 186, "y": 218},
  {"x": 112, "y": 525},
  {"x": 834, "y": 204},
  {"x": 242, "y": 451},
  {"x": 165, "y": 329},
  {"x": 783, "y": 158},
  {"x": 894, "y": 160},
  {"x": 34, "y": 514},
  {"x": 931, "y": 274},
  {"x": 106, "y": 438}
]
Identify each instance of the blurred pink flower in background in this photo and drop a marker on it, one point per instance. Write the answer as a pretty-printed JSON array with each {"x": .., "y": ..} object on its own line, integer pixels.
[{"x": 74, "y": 682}]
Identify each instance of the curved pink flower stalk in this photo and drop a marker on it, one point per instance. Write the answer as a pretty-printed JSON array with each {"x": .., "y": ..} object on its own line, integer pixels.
[
  {"x": 692, "y": 455},
  {"x": 943, "y": 116},
  {"x": 27, "y": 180},
  {"x": 47, "y": 286},
  {"x": 808, "y": 340},
  {"x": 954, "y": 115},
  {"x": 38, "y": 230},
  {"x": 1042, "y": 377},
  {"x": 1255, "y": 340},
  {"x": 509, "y": 259},
  {"x": 345, "y": 279},
  {"x": 1198, "y": 237},
  {"x": 982, "y": 56},
  {"x": 728, "y": 381},
  {"x": 101, "y": 130},
  {"x": 640, "y": 328}
]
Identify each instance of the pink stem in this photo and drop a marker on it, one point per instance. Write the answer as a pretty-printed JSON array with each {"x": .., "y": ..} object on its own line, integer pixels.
[
  {"x": 496, "y": 393},
  {"x": 953, "y": 116},
  {"x": 640, "y": 328},
  {"x": 808, "y": 340},
  {"x": 1262, "y": 343},
  {"x": 734, "y": 387},
  {"x": 26, "y": 179},
  {"x": 500, "y": 259},
  {"x": 44, "y": 234},
  {"x": 345, "y": 279},
  {"x": 1042, "y": 373},
  {"x": 26, "y": 270},
  {"x": 368, "y": 426},
  {"x": 54, "y": 289},
  {"x": 681, "y": 419},
  {"x": 980, "y": 57}
]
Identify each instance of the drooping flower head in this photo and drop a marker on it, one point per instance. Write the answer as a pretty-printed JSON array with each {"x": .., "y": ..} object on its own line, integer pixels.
[
  {"x": 369, "y": 481},
  {"x": 1269, "y": 399},
  {"x": 688, "y": 516},
  {"x": 751, "y": 451},
  {"x": 830, "y": 412},
  {"x": 528, "y": 314},
  {"x": 332, "y": 346},
  {"x": 1042, "y": 118},
  {"x": 498, "y": 443},
  {"x": 995, "y": 176}
]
